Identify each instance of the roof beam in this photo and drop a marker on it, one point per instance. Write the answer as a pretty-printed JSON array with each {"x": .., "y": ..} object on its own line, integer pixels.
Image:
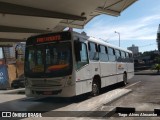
[
  {"x": 12, "y": 40},
  {"x": 8, "y": 8},
  {"x": 21, "y": 30},
  {"x": 108, "y": 11},
  {"x": 113, "y": 4},
  {"x": 6, "y": 45},
  {"x": 72, "y": 25}
]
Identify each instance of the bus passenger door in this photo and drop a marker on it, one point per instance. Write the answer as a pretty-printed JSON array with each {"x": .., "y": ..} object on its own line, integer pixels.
[
  {"x": 94, "y": 59},
  {"x": 83, "y": 72}
]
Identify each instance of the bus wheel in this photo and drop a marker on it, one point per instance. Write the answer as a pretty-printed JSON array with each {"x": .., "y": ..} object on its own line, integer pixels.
[
  {"x": 95, "y": 89},
  {"x": 124, "y": 79}
]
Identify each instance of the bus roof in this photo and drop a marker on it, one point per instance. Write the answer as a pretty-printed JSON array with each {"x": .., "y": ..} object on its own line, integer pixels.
[{"x": 99, "y": 41}]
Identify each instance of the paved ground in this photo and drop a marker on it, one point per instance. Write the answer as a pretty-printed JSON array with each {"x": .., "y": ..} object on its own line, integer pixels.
[
  {"x": 145, "y": 96},
  {"x": 10, "y": 101}
]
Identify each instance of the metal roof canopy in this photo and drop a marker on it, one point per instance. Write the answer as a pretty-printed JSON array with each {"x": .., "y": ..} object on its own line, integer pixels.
[{"x": 20, "y": 19}]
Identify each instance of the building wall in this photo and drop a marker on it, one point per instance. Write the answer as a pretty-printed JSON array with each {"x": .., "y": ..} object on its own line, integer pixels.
[
  {"x": 10, "y": 51},
  {"x": 134, "y": 49}
]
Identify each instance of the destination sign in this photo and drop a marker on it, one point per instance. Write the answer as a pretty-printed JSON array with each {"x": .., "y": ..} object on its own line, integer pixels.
[
  {"x": 48, "y": 39},
  {"x": 51, "y": 37}
]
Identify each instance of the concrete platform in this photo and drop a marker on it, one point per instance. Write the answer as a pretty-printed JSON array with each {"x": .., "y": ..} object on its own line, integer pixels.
[{"x": 83, "y": 108}]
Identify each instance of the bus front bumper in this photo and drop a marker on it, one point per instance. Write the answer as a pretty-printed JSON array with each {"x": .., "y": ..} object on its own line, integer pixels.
[{"x": 68, "y": 91}]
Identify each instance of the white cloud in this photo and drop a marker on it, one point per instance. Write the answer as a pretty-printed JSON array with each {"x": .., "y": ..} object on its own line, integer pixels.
[{"x": 144, "y": 28}]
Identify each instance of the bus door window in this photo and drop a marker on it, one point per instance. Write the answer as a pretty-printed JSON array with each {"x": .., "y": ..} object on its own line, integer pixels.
[{"x": 83, "y": 56}]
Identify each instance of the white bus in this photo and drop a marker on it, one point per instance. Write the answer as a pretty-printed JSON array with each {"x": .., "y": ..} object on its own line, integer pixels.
[{"x": 67, "y": 64}]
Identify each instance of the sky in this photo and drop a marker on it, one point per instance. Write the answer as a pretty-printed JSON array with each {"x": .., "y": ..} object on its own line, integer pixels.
[{"x": 137, "y": 25}]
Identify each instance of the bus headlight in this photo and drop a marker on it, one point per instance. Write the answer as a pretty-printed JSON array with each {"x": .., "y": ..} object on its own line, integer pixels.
[
  {"x": 27, "y": 83},
  {"x": 68, "y": 81}
]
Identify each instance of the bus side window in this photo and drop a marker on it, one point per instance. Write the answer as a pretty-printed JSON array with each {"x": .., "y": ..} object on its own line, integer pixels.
[
  {"x": 130, "y": 55},
  {"x": 103, "y": 56},
  {"x": 130, "y": 58},
  {"x": 118, "y": 55},
  {"x": 111, "y": 54},
  {"x": 123, "y": 56},
  {"x": 127, "y": 57},
  {"x": 93, "y": 51},
  {"x": 83, "y": 56}
]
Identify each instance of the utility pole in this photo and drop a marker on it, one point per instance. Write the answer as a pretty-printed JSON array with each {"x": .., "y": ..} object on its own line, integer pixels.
[
  {"x": 119, "y": 37},
  {"x": 158, "y": 38}
]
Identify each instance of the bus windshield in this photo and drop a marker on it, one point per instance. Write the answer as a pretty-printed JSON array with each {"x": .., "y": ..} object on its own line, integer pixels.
[{"x": 48, "y": 60}]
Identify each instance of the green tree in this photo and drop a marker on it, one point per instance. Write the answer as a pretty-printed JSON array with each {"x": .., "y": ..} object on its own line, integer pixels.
[{"x": 157, "y": 67}]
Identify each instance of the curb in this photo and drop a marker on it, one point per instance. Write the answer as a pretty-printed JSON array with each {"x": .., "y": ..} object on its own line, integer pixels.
[
  {"x": 15, "y": 91},
  {"x": 147, "y": 73}
]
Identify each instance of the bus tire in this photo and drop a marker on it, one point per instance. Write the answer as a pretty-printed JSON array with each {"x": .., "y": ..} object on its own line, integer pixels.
[
  {"x": 124, "y": 79},
  {"x": 95, "y": 88}
]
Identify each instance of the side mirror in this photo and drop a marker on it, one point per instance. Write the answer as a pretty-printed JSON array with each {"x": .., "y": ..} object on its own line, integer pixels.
[{"x": 77, "y": 49}]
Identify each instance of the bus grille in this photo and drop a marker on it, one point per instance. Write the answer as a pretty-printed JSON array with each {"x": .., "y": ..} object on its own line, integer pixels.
[{"x": 43, "y": 83}]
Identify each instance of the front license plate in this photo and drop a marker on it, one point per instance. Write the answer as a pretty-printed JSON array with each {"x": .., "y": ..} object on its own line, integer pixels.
[{"x": 47, "y": 93}]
